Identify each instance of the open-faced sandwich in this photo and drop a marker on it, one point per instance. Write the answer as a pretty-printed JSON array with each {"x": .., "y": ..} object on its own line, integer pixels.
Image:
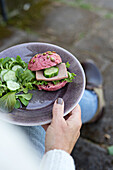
[{"x": 51, "y": 73}]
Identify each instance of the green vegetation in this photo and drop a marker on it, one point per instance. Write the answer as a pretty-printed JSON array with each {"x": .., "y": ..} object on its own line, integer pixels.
[
  {"x": 109, "y": 15},
  {"x": 110, "y": 150},
  {"x": 15, "y": 78},
  {"x": 77, "y": 3},
  {"x": 86, "y": 6},
  {"x": 33, "y": 18}
]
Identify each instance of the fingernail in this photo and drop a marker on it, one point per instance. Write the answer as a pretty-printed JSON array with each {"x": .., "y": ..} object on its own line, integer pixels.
[{"x": 59, "y": 101}]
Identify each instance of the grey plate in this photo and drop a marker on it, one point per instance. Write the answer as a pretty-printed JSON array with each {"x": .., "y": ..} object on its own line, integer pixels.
[{"x": 38, "y": 112}]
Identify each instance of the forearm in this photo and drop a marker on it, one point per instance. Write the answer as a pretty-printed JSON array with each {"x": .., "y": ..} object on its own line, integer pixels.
[{"x": 57, "y": 160}]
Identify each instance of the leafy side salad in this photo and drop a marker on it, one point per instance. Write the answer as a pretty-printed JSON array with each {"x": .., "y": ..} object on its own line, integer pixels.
[{"x": 15, "y": 82}]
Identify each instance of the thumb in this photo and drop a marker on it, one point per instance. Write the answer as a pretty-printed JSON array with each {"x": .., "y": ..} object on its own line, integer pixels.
[{"x": 58, "y": 109}]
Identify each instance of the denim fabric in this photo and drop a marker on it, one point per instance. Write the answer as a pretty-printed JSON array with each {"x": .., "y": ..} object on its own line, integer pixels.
[{"x": 88, "y": 104}]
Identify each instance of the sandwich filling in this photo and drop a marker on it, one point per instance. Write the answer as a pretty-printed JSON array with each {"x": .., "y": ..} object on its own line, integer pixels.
[{"x": 62, "y": 74}]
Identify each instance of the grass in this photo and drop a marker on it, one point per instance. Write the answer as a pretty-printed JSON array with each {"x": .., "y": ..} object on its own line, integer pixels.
[
  {"x": 109, "y": 15},
  {"x": 77, "y": 3},
  {"x": 86, "y": 6}
]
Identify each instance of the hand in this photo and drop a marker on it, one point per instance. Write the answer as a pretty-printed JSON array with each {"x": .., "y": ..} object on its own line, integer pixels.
[{"x": 63, "y": 134}]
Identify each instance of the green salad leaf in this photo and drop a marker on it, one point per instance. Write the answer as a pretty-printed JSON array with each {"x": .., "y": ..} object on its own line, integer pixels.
[
  {"x": 3, "y": 88},
  {"x": 55, "y": 82},
  {"x": 19, "y": 73},
  {"x": 1, "y": 91},
  {"x": 7, "y": 102},
  {"x": 28, "y": 76},
  {"x": 67, "y": 65},
  {"x": 17, "y": 104},
  {"x": 25, "y": 96},
  {"x": 21, "y": 62},
  {"x": 41, "y": 82},
  {"x": 70, "y": 77},
  {"x": 24, "y": 101},
  {"x": 5, "y": 61},
  {"x": 1, "y": 59},
  {"x": 18, "y": 58}
]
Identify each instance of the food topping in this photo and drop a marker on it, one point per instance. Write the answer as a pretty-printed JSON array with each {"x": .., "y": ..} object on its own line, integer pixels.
[
  {"x": 44, "y": 53},
  {"x": 52, "y": 59},
  {"x": 51, "y": 72},
  {"x": 50, "y": 53},
  {"x": 48, "y": 57}
]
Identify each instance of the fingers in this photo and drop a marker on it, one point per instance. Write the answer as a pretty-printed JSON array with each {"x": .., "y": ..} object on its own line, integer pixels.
[
  {"x": 58, "y": 109},
  {"x": 75, "y": 117}
]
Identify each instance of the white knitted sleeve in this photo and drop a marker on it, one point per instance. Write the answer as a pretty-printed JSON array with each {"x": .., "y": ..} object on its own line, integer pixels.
[{"x": 57, "y": 160}]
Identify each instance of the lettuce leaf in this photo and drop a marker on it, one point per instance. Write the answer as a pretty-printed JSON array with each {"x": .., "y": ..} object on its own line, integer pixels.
[
  {"x": 25, "y": 96},
  {"x": 24, "y": 101},
  {"x": 41, "y": 82},
  {"x": 5, "y": 60},
  {"x": 19, "y": 73},
  {"x": 21, "y": 62},
  {"x": 27, "y": 76},
  {"x": 56, "y": 81},
  {"x": 7, "y": 102},
  {"x": 70, "y": 77},
  {"x": 17, "y": 104},
  {"x": 67, "y": 65}
]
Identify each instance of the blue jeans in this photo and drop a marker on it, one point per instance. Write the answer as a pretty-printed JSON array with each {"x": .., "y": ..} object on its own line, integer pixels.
[{"x": 88, "y": 104}]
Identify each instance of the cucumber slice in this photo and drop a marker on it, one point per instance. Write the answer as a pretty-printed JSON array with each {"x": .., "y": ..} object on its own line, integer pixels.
[
  {"x": 11, "y": 85},
  {"x": 9, "y": 75},
  {"x": 14, "y": 68},
  {"x": 51, "y": 72},
  {"x": 2, "y": 73}
]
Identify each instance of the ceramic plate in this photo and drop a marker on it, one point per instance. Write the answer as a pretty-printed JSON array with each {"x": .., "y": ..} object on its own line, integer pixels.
[{"x": 38, "y": 111}]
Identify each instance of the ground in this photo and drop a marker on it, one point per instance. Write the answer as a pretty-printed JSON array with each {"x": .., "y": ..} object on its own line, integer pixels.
[{"x": 85, "y": 28}]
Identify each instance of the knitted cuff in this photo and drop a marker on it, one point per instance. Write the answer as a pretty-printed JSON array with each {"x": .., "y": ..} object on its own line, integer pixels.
[{"x": 57, "y": 160}]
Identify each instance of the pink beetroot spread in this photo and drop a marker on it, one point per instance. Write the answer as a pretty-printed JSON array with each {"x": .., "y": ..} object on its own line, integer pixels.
[
  {"x": 52, "y": 87},
  {"x": 44, "y": 60}
]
